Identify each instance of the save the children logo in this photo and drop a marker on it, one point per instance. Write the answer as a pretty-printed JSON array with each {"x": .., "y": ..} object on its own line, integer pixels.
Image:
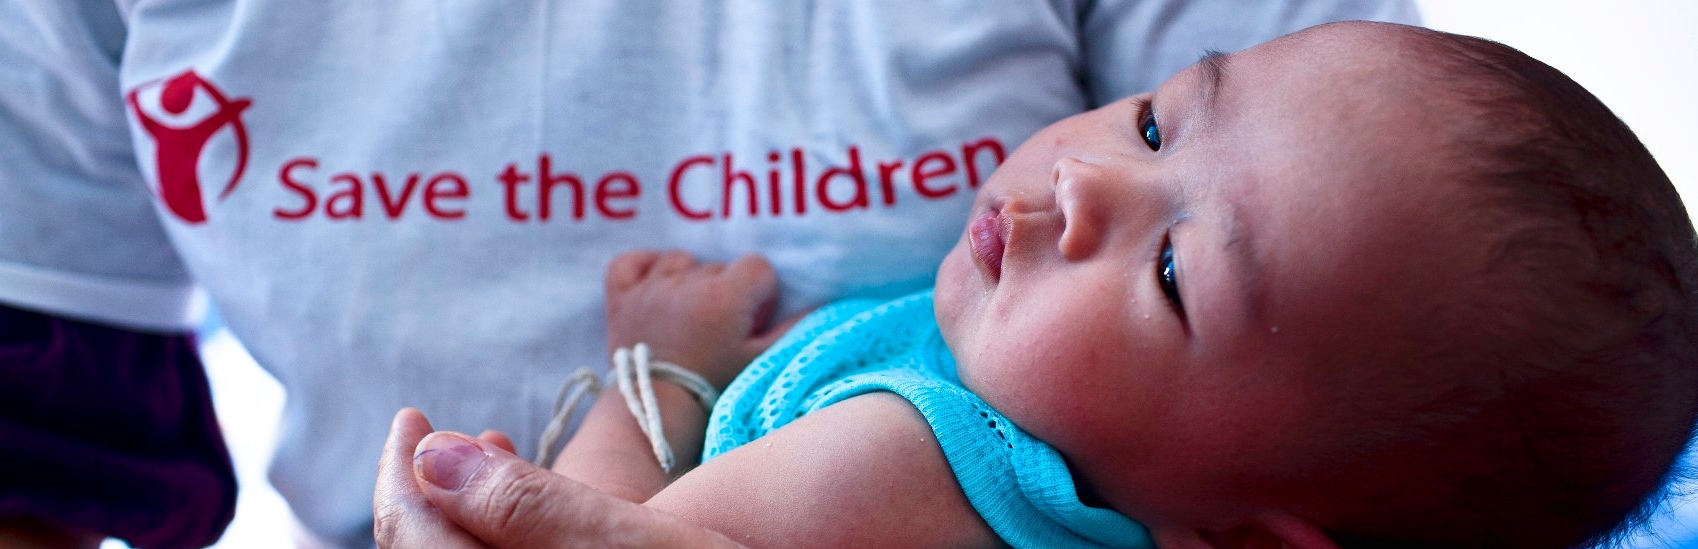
[
  {"x": 199, "y": 145},
  {"x": 181, "y": 115}
]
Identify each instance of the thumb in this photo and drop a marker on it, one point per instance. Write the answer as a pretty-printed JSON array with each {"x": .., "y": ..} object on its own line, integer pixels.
[
  {"x": 402, "y": 517},
  {"x": 511, "y": 504}
]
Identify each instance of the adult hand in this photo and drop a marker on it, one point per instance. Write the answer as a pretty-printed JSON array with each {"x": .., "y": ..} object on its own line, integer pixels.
[{"x": 448, "y": 490}]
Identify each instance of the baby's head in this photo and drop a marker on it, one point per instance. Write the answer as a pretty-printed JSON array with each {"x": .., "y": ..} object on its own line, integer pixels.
[{"x": 1366, "y": 283}]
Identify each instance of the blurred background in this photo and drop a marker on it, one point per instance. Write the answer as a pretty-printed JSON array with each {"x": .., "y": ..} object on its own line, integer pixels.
[{"x": 1640, "y": 57}]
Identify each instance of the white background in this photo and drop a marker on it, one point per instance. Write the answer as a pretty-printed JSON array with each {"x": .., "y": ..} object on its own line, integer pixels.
[{"x": 1640, "y": 57}]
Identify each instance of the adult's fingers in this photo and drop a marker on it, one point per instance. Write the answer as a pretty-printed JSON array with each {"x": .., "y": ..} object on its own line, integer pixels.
[
  {"x": 404, "y": 519},
  {"x": 499, "y": 439},
  {"x": 510, "y": 504}
]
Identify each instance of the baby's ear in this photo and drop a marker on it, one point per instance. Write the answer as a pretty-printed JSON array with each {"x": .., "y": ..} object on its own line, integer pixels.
[{"x": 1272, "y": 532}]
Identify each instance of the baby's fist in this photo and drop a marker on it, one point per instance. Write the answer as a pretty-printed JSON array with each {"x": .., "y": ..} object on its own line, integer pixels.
[{"x": 705, "y": 317}]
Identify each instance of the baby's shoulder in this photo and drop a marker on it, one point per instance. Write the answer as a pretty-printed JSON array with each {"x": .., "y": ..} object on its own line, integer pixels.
[{"x": 863, "y": 472}]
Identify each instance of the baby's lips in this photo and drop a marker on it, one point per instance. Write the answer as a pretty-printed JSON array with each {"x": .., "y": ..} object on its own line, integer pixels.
[{"x": 984, "y": 237}]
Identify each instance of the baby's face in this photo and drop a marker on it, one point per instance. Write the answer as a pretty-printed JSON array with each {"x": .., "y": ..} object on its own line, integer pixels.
[{"x": 1177, "y": 303}]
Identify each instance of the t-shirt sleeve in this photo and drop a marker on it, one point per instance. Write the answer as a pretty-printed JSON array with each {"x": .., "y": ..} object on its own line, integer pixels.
[
  {"x": 79, "y": 234},
  {"x": 1131, "y": 46}
]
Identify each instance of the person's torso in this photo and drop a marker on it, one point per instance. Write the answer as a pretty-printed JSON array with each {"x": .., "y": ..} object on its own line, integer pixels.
[{"x": 411, "y": 203}]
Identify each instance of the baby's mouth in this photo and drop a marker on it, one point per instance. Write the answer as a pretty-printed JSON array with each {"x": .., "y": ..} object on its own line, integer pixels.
[{"x": 987, "y": 238}]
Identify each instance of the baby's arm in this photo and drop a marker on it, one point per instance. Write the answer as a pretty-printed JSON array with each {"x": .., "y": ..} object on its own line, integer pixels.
[
  {"x": 865, "y": 472},
  {"x": 703, "y": 317}
]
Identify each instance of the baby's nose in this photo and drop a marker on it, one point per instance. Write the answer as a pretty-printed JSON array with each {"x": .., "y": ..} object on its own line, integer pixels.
[{"x": 1078, "y": 186}]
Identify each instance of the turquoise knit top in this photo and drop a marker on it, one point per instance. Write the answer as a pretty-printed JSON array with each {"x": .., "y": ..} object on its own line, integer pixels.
[{"x": 1019, "y": 484}]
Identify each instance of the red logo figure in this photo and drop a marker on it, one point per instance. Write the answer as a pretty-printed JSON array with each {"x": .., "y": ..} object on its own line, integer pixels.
[{"x": 177, "y": 150}]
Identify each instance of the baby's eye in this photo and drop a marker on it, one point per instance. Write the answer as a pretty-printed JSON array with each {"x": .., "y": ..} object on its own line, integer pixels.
[
  {"x": 1147, "y": 127},
  {"x": 1168, "y": 276}
]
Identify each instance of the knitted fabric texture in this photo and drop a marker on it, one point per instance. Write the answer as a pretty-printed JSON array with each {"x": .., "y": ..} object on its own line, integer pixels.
[{"x": 1018, "y": 484}]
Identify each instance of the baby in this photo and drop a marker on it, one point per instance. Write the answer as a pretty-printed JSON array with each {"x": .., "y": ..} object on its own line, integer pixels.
[{"x": 1362, "y": 286}]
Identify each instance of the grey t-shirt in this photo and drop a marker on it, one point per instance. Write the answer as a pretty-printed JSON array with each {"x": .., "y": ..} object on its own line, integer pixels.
[{"x": 411, "y": 203}]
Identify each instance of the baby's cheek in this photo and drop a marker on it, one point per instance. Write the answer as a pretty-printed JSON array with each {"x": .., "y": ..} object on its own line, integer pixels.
[
  {"x": 1073, "y": 421},
  {"x": 1030, "y": 397},
  {"x": 986, "y": 372},
  {"x": 949, "y": 296},
  {"x": 1090, "y": 408}
]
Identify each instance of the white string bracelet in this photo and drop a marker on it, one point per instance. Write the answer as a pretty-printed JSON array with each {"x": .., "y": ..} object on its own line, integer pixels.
[{"x": 633, "y": 370}]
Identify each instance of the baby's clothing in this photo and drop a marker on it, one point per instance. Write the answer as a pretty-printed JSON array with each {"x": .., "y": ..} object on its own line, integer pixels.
[{"x": 1018, "y": 484}]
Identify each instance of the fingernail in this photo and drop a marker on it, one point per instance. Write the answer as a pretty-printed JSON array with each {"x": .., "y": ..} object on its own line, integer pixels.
[{"x": 447, "y": 460}]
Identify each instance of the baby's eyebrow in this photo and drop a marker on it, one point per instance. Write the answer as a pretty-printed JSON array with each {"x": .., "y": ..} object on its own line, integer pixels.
[{"x": 1213, "y": 63}]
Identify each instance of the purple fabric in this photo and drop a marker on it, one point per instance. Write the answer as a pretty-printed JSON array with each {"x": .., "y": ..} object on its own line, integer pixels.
[{"x": 111, "y": 431}]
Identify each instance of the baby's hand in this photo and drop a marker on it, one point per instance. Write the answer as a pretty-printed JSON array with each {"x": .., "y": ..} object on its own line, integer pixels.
[{"x": 704, "y": 317}]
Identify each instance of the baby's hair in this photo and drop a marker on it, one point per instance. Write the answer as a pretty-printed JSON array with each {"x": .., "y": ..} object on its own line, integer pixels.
[{"x": 1580, "y": 335}]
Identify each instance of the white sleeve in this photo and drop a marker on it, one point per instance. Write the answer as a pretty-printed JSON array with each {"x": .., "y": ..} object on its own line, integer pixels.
[
  {"x": 79, "y": 234},
  {"x": 1131, "y": 46}
]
